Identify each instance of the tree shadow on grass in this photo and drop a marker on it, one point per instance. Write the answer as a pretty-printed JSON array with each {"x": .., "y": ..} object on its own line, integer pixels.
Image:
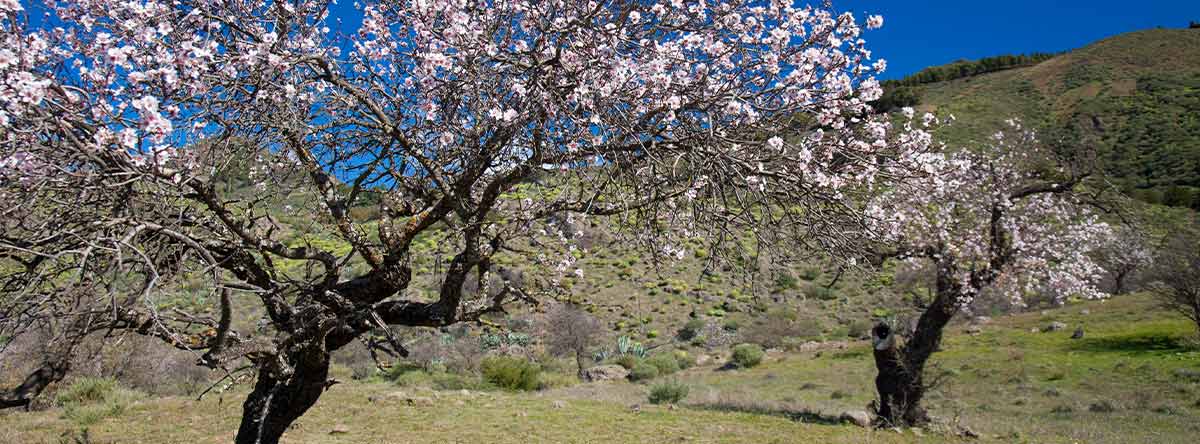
[
  {"x": 794, "y": 413},
  {"x": 1135, "y": 344}
]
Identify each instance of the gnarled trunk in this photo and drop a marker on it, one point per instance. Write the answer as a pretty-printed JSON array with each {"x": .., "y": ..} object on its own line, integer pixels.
[
  {"x": 52, "y": 370},
  {"x": 901, "y": 368},
  {"x": 278, "y": 400}
]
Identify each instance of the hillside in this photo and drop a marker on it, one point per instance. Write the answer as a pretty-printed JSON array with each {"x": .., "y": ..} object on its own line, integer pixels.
[{"x": 1134, "y": 97}]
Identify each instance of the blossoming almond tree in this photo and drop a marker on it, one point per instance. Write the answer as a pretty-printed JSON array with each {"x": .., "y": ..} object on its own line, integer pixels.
[
  {"x": 998, "y": 219},
  {"x": 122, "y": 122}
]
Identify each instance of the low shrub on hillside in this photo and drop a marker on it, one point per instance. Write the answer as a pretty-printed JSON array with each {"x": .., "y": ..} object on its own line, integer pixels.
[
  {"x": 860, "y": 329},
  {"x": 669, "y": 392},
  {"x": 684, "y": 359},
  {"x": 777, "y": 326},
  {"x": 643, "y": 372},
  {"x": 819, "y": 292},
  {"x": 691, "y": 329},
  {"x": 664, "y": 362},
  {"x": 89, "y": 400},
  {"x": 747, "y": 355},
  {"x": 511, "y": 373},
  {"x": 627, "y": 361}
]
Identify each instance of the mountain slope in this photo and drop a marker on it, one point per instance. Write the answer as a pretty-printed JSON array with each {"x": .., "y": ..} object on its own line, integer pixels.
[{"x": 1134, "y": 97}]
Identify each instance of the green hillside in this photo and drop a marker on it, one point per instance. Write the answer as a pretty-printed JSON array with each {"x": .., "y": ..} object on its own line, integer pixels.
[{"x": 1134, "y": 97}]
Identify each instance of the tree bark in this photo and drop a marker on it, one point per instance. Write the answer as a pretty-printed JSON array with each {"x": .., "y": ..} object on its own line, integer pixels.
[
  {"x": 51, "y": 371},
  {"x": 278, "y": 400},
  {"x": 1119, "y": 282},
  {"x": 579, "y": 363},
  {"x": 901, "y": 369}
]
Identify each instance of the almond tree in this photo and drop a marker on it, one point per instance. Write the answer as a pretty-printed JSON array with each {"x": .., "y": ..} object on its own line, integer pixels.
[
  {"x": 1002, "y": 218},
  {"x": 1125, "y": 254},
  {"x": 486, "y": 126},
  {"x": 1176, "y": 282}
]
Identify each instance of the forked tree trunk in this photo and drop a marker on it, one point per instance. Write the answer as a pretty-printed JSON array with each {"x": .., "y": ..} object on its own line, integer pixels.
[
  {"x": 900, "y": 381},
  {"x": 278, "y": 400}
]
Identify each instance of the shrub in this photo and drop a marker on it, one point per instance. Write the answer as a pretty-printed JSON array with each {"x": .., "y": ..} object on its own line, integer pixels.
[
  {"x": 779, "y": 325},
  {"x": 820, "y": 292},
  {"x": 785, "y": 281},
  {"x": 859, "y": 329},
  {"x": 747, "y": 355},
  {"x": 511, "y": 373},
  {"x": 642, "y": 372},
  {"x": 400, "y": 369},
  {"x": 627, "y": 361},
  {"x": 86, "y": 391},
  {"x": 670, "y": 392},
  {"x": 665, "y": 363},
  {"x": 1103, "y": 406},
  {"x": 1062, "y": 409},
  {"x": 89, "y": 400},
  {"x": 731, "y": 325},
  {"x": 414, "y": 378},
  {"x": 691, "y": 329},
  {"x": 684, "y": 359}
]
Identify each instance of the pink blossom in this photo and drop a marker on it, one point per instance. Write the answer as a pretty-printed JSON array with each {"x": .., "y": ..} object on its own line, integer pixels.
[
  {"x": 11, "y": 6},
  {"x": 874, "y": 21}
]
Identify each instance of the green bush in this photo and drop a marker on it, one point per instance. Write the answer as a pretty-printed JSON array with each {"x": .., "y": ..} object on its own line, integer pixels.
[
  {"x": 684, "y": 359},
  {"x": 859, "y": 329},
  {"x": 820, "y": 292},
  {"x": 691, "y": 329},
  {"x": 747, "y": 355},
  {"x": 511, "y": 373},
  {"x": 86, "y": 391},
  {"x": 627, "y": 361},
  {"x": 643, "y": 372},
  {"x": 665, "y": 363},
  {"x": 785, "y": 281},
  {"x": 670, "y": 392},
  {"x": 89, "y": 400},
  {"x": 399, "y": 369},
  {"x": 416, "y": 378},
  {"x": 731, "y": 325}
]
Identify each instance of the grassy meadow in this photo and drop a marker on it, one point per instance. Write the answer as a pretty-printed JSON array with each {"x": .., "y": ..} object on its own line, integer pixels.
[{"x": 1133, "y": 378}]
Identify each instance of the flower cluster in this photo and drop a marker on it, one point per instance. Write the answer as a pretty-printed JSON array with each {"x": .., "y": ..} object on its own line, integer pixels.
[{"x": 996, "y": 222}]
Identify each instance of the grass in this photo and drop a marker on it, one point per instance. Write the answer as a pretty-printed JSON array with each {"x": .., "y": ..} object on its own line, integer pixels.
[{"x": 1007, "y": 383}]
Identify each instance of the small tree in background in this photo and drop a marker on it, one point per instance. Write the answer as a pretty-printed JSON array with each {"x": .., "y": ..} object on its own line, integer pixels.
[
  {"x": 1125, "y": 254},
  {"x": 1176, "y": 273},
  {"x": 571, "y": 331}
]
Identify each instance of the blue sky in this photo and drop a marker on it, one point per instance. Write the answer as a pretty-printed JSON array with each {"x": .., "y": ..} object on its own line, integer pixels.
[{"x": 920, "y": 33}]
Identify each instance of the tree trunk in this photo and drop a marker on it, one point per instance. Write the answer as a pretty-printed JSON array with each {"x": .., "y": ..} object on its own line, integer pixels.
[
  {"x": 52, "y": 370},
  {"x": 278, "y": 400},
  {"x": 579, "y": 363},
  {"x": 901, "y": 369},
  {"x": 1119, "y": 282}
]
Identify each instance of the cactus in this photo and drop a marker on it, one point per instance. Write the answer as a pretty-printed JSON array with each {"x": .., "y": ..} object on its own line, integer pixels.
[
  {"x": 627, "y": 346},
  {"x": 601, "y": 356},
  {"x": 638, "y": 350}
]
